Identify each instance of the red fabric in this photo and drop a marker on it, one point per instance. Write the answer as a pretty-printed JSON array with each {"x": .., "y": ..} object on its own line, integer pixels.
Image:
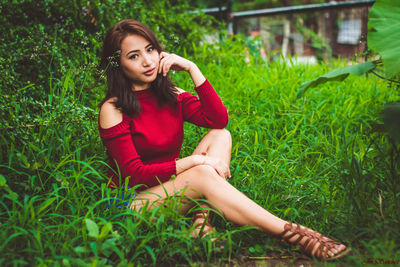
[{"x": 146, "y": 147}]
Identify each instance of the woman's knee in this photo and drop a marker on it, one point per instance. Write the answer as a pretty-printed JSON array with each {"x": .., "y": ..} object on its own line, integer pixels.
[
  {"x": 207, "y": 175},
  {"x": 201, "y": 175},
  {"x": 205, "y": 170},
  {"x": 222, "y": 134}
]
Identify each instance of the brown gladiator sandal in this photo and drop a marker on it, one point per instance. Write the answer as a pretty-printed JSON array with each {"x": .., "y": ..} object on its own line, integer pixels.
[
  {"x": 204, "y": 228},
  {"x": 317, "y": 245}
]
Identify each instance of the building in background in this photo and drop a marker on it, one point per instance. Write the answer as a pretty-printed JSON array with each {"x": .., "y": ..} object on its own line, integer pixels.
[{"x": 310, "y": 32}]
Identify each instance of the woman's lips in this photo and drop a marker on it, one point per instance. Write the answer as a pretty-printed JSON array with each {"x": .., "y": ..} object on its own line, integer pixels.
[{"x": 150, "y": 72}]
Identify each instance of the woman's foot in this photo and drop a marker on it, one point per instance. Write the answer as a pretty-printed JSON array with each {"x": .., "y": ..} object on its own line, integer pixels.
[
  {"x": 202, "y": 227},
  {"x": 313, "y": 243}
]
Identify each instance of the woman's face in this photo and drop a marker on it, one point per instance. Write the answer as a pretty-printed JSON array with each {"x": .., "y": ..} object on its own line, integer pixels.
[{"x": 139, "y": 61}]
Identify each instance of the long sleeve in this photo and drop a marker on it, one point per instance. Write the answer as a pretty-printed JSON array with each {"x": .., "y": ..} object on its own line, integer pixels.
[
  {"x": 120, "y": 147},
  {"x": 207, "y": 111}
]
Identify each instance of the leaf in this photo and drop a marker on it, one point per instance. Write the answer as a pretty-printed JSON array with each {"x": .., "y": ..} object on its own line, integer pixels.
[
  {"x": 108, "y": 247},
  {"x": 391, "y": 119},
  {"x": 94, "y": 249},
  {"x": 46, "y": 204},
  {"x": 384, "y": 33},
  {"x": 3, "y": 181},
  {"x": 337, "y": 75},
  {"x": 105, "y": 230},
  {"x": 12, "y": 195},
  {"x": 80, "y": 250},
  {"x": 151, "y": 252},
  {"x": 92, "y": 228}
]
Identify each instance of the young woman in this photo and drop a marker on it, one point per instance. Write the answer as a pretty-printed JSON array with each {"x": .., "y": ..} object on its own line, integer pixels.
[{"x": 141, "y": 125}]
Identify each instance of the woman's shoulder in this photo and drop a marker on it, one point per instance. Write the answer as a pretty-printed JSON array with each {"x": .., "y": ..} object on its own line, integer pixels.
[{"x": 109, "y": 114}]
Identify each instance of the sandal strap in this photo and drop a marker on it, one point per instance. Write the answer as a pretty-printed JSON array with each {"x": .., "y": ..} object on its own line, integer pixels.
[
  {"x": 200, "y": 215},
  {"x": 314, "y": 239},
  {"x": 204, "y": 224}
]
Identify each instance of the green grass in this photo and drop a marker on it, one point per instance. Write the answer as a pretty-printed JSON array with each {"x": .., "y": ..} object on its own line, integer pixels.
[{"x": 312, "y": 160}]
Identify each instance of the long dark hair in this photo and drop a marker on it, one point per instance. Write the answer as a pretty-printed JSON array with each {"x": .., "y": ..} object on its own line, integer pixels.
[{"x": 119, "y": 85}]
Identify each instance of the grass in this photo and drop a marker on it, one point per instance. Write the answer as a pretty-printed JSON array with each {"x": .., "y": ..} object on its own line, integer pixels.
[{"x": 313, "y": 160}]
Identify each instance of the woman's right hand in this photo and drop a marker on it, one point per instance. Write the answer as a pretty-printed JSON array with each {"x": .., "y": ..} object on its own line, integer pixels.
[
  {"x": 174, "y": 62},
  {"x": 220, "y": 167}
]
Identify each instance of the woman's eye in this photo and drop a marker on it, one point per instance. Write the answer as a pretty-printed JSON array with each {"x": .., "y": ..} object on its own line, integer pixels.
[
  {"x": 134, "y": 56},
  {"x": 150, "y": 49}
]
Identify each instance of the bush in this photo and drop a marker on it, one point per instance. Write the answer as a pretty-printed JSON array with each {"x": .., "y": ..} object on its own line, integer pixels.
[{"x": 49, "y": 38}]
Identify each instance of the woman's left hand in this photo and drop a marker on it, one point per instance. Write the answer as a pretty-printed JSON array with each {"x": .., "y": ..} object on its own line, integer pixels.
[
  {"x": 219, "y": 166},
  {"x": 173, "y": 62}
]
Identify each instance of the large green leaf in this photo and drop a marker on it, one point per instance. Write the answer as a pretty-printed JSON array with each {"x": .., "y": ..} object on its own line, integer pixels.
[
  {"x": 384, "y": 33},
  {"x": 391, "y": 119},
  {"x": 92, "y": 227},
  {"x": 337, "y": 75}
]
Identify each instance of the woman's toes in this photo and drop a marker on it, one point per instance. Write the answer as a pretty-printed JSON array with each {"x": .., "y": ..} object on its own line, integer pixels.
[
  {"x": 336, "y": 250},
  {"x": 331, "y": 254}
]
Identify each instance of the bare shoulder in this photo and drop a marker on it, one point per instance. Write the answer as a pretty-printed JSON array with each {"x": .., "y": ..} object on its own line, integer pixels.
[
  {"x": 109, "y": 114},
  {"x": 180, "y": 91}
]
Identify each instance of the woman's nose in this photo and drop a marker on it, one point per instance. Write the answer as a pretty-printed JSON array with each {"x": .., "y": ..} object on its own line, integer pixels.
[{"x": 146, "y": 60}]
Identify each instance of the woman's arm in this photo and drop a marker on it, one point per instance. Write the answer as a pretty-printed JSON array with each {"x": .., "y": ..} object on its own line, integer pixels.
[
  {"x": 196, "y": 75},
  {"x": 191, "y": 161}
]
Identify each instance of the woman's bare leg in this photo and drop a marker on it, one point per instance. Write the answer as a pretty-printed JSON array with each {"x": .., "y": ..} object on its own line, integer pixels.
[
  {"x": 203, "y": 182},
  {"x": 216, "y": 143}
]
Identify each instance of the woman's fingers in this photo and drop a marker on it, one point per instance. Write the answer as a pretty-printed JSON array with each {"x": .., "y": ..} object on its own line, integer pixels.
[
  {"x": 163, "y": 54},
  {"x": 225, "y": 169},
  {"x": 162, "y": 60},
  {"x": 172, "y": 61},
  {"x": 222, "y": 169},
  {"x": 221, "y": 172},
  {"x": 163, "y": 68},
  {"x": 166, "y": 64},
  {"x": 227, "y": 172}
]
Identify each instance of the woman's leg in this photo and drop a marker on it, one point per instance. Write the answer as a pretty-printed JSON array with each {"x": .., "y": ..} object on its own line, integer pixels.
[
  {"x": 216, "y": 143},
  {"x": 203, "y": 182}
]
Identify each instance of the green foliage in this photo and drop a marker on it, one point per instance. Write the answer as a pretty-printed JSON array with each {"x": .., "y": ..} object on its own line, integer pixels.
[
  {"x": 383, "y": 38},
  {"x": 384, "y": 34},
  {"x": 391, "y": 119},
  {"x": 43, "y": 38},
  {"x": 337, "y": 75}
]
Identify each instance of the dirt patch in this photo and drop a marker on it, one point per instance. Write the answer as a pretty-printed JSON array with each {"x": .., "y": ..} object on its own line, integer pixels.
[{"x": 276, "y": 260}]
